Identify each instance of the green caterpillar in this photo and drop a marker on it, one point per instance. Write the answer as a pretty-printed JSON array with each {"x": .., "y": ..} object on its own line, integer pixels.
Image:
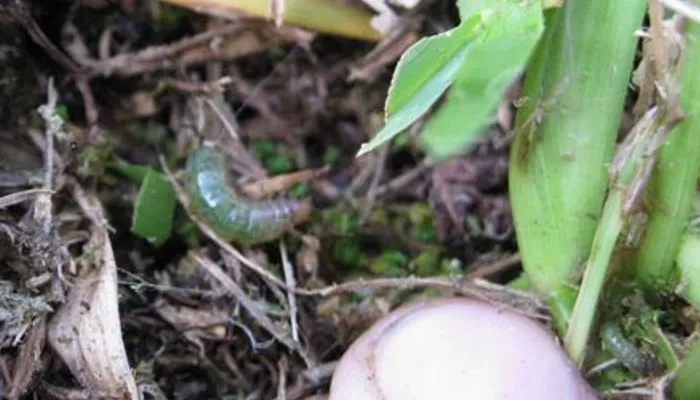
[
  {"x": 626, "y": 352},
  {"x": 229, "y": 215}
]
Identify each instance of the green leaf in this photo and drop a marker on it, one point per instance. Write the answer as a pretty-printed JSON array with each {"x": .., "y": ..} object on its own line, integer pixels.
[
  {"x": 154, "y": 208},
  {"x": 483, "y": 55},
  {"x": 422, "y": 75},
  {"x": 468, "y": 8},
  {"x": 133, "y": 172},
  {"x": 495, "y": 60},
  {"x": 62, "y": 111}
]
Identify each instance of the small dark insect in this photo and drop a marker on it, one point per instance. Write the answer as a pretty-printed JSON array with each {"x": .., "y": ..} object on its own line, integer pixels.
[
  {"x": 231, "y": 216},
  {"x": 626, "y": 352}
]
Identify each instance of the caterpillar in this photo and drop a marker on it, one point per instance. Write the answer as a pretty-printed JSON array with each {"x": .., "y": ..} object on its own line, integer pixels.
[
  {"x": 231, "y": 216},
  {"x": 626, "y": 351}
]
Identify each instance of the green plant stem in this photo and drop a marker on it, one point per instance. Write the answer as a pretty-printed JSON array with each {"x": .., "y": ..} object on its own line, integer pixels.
[
  {"x": 655, "y": 334},
  {"x": 565, "y": 134},
  {"x": 583, "y": 314},
  {"x": 688, "y": 263},
  {"x": 325, "y": 16},
  {"x": 628, "y": 171},
  {"x": 686, "y": 385},
  {"x": 673, "y": 185}
]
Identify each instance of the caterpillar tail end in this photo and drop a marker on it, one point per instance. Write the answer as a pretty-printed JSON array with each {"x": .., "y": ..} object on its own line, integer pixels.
[{"x": 301, "y": 210}]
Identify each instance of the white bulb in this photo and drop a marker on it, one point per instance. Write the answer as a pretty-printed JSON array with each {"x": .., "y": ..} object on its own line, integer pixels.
[{"x": 456, "y": 349}]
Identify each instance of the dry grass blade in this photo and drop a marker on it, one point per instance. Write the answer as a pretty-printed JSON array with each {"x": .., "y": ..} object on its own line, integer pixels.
[
  {"x": 252, "y": 307},
  {"x": 291, "y": 286},
  {"x": 406, "y": 178},
  {"x": 387, "y": 51},
  {"x": 524, "y": 303},
  {"x": 225, "y": 43},
  {"x": 283, "y": 368},
  {"x": 374, "y": 183},
  {"x": 496, "y": 267},
  {"x": 18, "y": 197},
  {"x": 86, "y": 332},
  {"x": 218, "y": 117},
  {"x": 276, "y": 184},
  {"x": 28, "y": 362},
  {"x": 684, "y": 8}
]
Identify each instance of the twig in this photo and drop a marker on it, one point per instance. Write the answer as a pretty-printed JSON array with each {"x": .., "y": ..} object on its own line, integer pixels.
[
  {"x": 89, "y": 103},
  {"x": 251, "y": 306},
  {"x": 447, "y": 200},
  {"x": 192, "y": 87},
  {"x": 405, "y": 178},
  {"x": 140, "y": 282},
  {"x": 376, "y": 177},
  {"x": 18, "y": 197},
  {"x": 267, "y": 186},
  {"x": 249, "y": 334},
  {"x": 601, "y": 367},
  {"x": 54, "y": 127},
  {"x": 190, "y": 51},
  {"x": 397, "y": 41},
  {"x": 38, "y": 138},
  {"x": 234, "y": 265},
  {"x": 4, "y": 370},
  {"x": 216, "y": 116},
  {"x": 658, "y": 41},
  {"x": 361, "y": 177},
  {"x": 215, "y": 106},
  {"x": 282, "y": 381},
  {"x": 496, "y": 267},
  {"x": 520, "y": 302},
  {"x": 242, "y": 380},
  {"x": 291, "y": 287}
]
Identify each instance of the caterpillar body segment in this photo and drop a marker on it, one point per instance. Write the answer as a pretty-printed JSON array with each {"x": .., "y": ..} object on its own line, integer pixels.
[{"x": 230, "y": 215}]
